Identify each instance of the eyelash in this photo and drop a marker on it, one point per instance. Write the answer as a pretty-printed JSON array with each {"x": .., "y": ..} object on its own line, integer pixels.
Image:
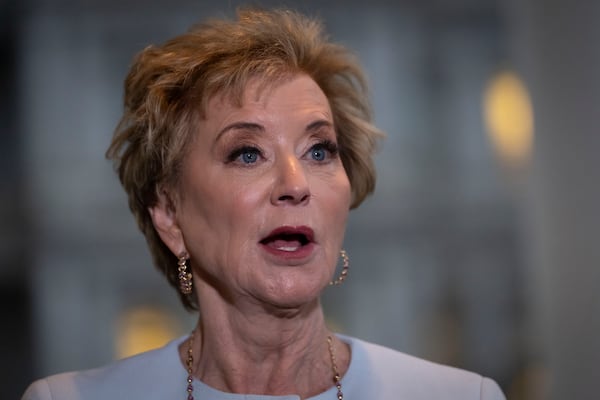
[
  {"x": 328, "y": 145},
  {"x": 236, "y": 154}
]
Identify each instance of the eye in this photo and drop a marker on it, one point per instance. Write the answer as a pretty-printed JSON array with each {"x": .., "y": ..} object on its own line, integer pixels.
[
  {"x": 245, "y": 155},
  {"x": 323, "y": 151},
  {"x": 249, "y": 156},
  {"x": 318, "y": 153}
]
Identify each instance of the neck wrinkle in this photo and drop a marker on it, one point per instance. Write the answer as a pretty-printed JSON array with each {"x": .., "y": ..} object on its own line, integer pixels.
[{"x": 278, "y": 352}]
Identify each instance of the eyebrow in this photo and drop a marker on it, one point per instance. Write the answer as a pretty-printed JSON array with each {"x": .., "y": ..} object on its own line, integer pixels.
[
  {"x": 254, "y": 127},
  {"x": 318, "y": 124},
  {"x": 247, "y": 126}
]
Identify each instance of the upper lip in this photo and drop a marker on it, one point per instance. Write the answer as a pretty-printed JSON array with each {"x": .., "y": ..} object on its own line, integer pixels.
[{"x": 305, "y": 233}]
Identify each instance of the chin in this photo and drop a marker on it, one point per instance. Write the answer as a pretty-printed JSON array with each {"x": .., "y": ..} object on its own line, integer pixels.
[{"x": 294, "y": 296}]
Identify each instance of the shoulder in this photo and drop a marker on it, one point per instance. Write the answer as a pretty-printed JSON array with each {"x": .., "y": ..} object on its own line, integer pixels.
[
  {"x": 393, "y": 373},
  {"x": 148, "y": 375}
]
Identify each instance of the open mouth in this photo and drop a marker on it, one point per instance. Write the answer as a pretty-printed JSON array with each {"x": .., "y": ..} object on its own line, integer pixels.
[{"x": 288, "y": 239}]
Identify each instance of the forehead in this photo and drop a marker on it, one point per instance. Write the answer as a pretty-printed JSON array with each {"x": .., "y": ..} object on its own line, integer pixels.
[{"x": 292, "y": 92}]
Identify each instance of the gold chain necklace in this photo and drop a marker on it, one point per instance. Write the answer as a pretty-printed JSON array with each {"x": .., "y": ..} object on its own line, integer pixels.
[{"x": 337, "y": 379}]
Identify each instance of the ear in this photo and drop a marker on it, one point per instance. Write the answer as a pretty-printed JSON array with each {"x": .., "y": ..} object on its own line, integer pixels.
[{"x": 164, "y": 219}]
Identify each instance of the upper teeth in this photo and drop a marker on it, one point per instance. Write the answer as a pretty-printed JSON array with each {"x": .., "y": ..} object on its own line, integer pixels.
[{"x": 288, "y": 248}]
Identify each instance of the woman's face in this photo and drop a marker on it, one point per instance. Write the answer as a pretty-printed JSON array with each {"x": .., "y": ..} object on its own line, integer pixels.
[{"x": 263, "y": 197}]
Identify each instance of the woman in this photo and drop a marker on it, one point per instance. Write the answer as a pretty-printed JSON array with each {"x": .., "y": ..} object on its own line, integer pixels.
[{"x": 242, "y": 148}]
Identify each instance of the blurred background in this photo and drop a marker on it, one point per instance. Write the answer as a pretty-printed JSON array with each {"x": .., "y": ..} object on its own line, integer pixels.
[{"x": 479, "y": 249}]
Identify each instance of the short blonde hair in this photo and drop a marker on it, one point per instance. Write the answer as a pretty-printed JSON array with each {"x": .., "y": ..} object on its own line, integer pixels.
[{"x": 168, "y": 87}]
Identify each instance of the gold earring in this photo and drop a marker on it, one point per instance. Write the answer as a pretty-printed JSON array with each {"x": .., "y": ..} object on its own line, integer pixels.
[
  {"x": 185, "y": 278},
  {"x": 345, "y": 265}
]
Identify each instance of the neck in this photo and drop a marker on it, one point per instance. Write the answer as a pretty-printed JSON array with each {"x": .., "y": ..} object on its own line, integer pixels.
[{"x": 252, "y": 348}]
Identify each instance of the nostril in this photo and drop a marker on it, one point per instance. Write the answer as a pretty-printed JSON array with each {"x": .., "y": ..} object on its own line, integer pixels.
[
  {"x": 291, "y": 185},
  {"x": 286, "y": 197},
  {"x": 295, "y": 199}
]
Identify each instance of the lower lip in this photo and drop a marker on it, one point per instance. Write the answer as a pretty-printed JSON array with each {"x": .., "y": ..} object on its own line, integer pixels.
[{"x": 301, "y": 254}]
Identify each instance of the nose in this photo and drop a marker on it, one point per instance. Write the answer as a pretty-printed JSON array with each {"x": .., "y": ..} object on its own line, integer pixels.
[{"x": 291, "y": 183}]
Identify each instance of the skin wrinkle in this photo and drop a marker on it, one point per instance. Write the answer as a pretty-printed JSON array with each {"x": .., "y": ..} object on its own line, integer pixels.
[
  {"x": 169, "y": 86},
  {"x": 262, "y": 327}
]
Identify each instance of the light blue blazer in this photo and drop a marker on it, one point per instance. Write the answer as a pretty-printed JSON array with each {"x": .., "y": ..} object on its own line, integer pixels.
[{"x": 375, "y": 373}]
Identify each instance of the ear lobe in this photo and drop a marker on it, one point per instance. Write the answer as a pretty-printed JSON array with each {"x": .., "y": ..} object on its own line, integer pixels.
[{"x": 165, "y": 222}]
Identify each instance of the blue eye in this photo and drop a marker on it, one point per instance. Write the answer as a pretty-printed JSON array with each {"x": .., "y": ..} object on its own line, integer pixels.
[
  {"x": 318, "y": 153},
  {"x": 323, "y": 151},
  {"x": 244, "y": 155},
  {"x": 249, "y": 156}
]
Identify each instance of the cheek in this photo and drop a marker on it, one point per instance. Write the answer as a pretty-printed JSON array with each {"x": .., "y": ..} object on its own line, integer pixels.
[
  {"x": 233, "y": 210},
  {"x": 342, "y": 192},
  {"x": 337, "y": 200},
  {"x": 220, "y": 224},
  {"x": 344, "y": 200}
]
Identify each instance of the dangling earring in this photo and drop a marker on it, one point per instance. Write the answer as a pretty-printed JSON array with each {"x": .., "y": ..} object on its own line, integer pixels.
[
  {"x": 345, "y": 264},
  {"x": 185, "y": 278}
]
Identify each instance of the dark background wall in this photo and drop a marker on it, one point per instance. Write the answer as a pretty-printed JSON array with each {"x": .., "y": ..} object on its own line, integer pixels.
[{"x": 462, "y": 256}]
